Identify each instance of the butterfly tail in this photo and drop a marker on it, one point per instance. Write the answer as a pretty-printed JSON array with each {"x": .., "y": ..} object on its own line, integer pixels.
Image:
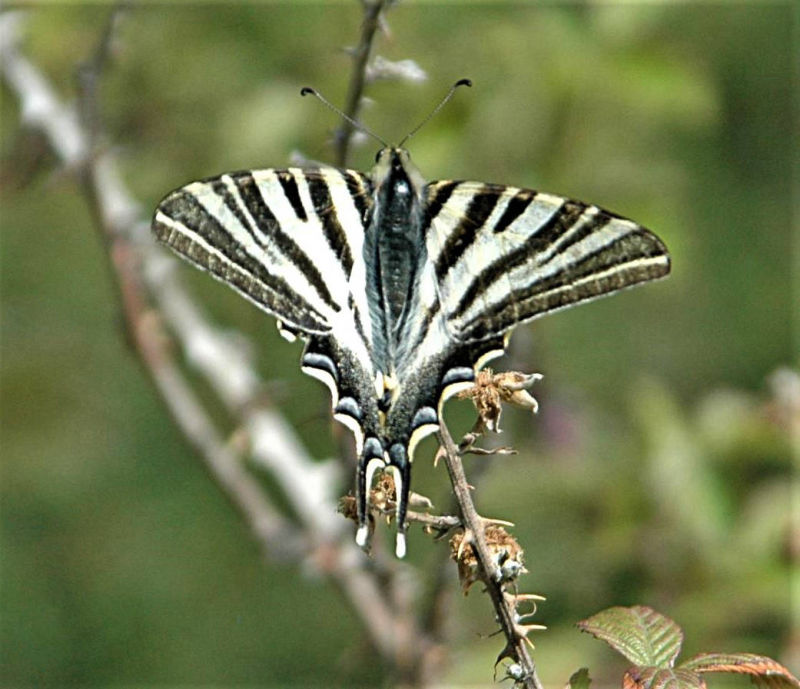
[
  {"x": 371, "y": 460},
  {"x": 401, "y": 471}
]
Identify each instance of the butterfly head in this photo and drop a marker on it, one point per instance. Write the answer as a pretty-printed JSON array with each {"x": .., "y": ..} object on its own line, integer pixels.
[{"x": 393, "y": 166}]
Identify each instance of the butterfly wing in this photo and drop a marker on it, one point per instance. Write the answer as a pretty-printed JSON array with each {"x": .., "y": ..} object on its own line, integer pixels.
[
  {"x": 504, "y": 256},
  {"x": 499, "y": 256},
  {"x": 291, "y": 242},
  {"x": 274, "y": 236}
]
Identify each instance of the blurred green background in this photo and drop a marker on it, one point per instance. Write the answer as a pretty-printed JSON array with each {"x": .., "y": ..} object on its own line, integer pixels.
[{"x": 658, "y": 470}]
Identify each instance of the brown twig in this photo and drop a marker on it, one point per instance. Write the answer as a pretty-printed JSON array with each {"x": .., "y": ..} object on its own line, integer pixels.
[
  {"x": 358, "y": 79},
  {"x": 433, "y": 615},
  {"x": 504, "y": 604}
]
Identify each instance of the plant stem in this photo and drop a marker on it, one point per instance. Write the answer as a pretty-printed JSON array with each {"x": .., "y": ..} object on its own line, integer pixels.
[
  {"x": 372, "y": 11},
  {"x": 516, "y": 641}
]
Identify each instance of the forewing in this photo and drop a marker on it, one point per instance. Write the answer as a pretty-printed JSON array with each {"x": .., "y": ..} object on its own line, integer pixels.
[
  {"x": 288, "y": 240},
  {"x": 502, "y": 256}
]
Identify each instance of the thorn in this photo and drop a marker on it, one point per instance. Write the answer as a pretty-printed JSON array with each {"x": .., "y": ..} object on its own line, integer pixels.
[
  {"x": 507, "y": 652},
  {"x": 417, "y": 500},
  {"x": 467, "y": 442},
  {"x": 524, "y": 629},
  {"x": 484, "y": 451},
  {"x": 527, "y": 596},
  {"x": 525, "y": 383},
  {"x": 487, "y": 521},
  {"x": 518, "y": 618}
]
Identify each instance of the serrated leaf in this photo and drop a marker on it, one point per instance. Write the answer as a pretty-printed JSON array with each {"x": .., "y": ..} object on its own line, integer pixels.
[
  {"x": 644, "y": 636},
  {"x": 764, "y": 671},
  {"x": 662, "y": 678},
  {"x": 579, "y": 679}
]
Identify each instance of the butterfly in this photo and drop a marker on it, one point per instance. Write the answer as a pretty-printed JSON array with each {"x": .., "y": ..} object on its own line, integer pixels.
[{"x": 401, "y": 288}]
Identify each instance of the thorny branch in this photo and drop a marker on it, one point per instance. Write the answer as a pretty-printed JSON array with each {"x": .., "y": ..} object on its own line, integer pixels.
[{"x": 505, "y": 603}]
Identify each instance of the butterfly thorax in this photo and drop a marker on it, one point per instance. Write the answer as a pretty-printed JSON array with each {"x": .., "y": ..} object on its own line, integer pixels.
[{"x": 394, "y": 251}]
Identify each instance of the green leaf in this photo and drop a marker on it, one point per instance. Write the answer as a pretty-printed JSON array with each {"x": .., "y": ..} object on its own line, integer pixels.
[
  {"x": 642, "y": 635},
  {"x": 662, "y": 678},
  {"x": 764, "y": 671},
  {"x": 774, "y": 681},
  {"x": 579, "y": 679}
]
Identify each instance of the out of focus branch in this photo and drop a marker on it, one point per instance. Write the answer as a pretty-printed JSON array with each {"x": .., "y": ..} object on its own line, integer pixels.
[
  {"x": 278, "y": 537},
  {"x": 39, "y": 107},
  {"x": 367, "y": 69},
  {"x": 116, "y": 216},
  {"x": 361, "y": 53}
]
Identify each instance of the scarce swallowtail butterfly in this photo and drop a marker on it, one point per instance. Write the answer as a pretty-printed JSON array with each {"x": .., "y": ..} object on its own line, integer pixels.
[{"x": 402, "y": 289}]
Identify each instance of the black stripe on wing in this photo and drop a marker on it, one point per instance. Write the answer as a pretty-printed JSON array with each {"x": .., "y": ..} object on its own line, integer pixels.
[
  {"x": 516, "y": 207},
  {"x": 537, "y": 242},
  {"x": 229, "y": 261},
  {"x": 464, "y": 234},
  {"x": 321, "y": 198},
  {"x": 360, "y": 189},
  {"x": 632, "y": 258},
  {"x": 537, "y": 253},
  {"x": 262, "y": 225},
  {"x": 438, "y": 194},
  {"x": 289, "y": 185}
]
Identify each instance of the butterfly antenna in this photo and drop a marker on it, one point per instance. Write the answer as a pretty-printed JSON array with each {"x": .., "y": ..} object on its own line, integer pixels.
[
  {"x": 307, "y": 90},
  {"x": 442, "y": 103}
]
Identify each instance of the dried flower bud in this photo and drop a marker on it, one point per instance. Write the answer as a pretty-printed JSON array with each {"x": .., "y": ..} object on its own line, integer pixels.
[
  {"x": 504, "y": 548},
  {"x": 490, "y": 389},
  {"x": 402, "y": 70},
  {"x": 381, "y": 500},
  {"x": 347, "y": 508},
  {"x": 515, "y": 671}
]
